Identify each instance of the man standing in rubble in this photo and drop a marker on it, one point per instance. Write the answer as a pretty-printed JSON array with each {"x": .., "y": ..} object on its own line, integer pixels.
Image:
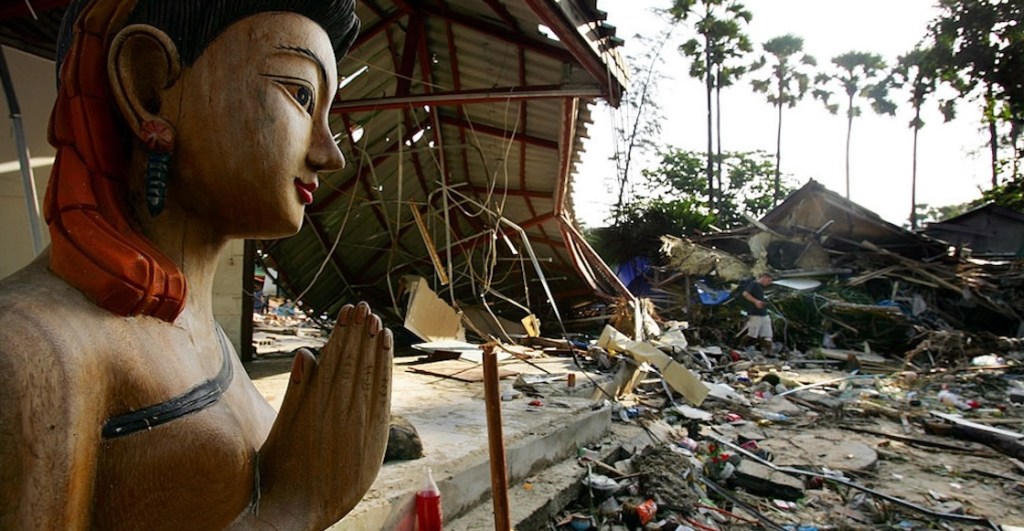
[{"x": 759, "y": 324}]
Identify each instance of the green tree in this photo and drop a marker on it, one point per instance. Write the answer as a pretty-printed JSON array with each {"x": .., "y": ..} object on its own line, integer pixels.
[
  {"x": 719, "y": 38},
  {"x": 915, "y": 72},
  {"x": 857, "y": 75},
  {"x": 676, "y": 202},
  {"x": 1009, "y": 194},
  {"x": 979, "y": 46},
  {"x": 929, "y": 214},
  {"x": 784, "y": 85}
]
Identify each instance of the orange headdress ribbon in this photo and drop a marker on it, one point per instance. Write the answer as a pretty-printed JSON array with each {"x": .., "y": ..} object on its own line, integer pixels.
[{"x": 95, "y": 247}]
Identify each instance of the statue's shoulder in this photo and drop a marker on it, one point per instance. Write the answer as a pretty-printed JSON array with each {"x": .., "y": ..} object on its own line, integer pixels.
[{"x": 45, "y": 320}]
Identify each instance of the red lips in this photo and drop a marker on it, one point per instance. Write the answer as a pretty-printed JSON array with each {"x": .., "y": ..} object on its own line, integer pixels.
[{"x": 305, "y": 190}]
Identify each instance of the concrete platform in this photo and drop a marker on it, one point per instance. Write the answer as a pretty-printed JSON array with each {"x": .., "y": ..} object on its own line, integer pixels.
[{"x": 451, "y": 421}]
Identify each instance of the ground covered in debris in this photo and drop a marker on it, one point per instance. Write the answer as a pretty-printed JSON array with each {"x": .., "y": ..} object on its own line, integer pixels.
[
  {"x": 891, "y": 396},
  {"x": 785, "y": 444}
]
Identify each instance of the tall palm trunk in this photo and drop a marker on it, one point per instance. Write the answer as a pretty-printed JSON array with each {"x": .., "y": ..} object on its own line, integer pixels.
[
  {"x": 993, "y": 145},
  {"x": 849, "y": 131},
  {"x": 707, "y": 86},
  {"x": 913, "y": 172},
  {"x": 778, "y": 149},
  {"x": 718, "y": 127},
  {"x": 993, "y": 135}
]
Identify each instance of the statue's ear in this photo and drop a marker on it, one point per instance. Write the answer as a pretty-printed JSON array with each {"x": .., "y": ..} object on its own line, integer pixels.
[{"x": 142, "y": 64}]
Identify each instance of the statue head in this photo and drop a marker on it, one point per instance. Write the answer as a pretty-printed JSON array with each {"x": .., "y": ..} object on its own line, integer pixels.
[{"x": 217, "y": 107}]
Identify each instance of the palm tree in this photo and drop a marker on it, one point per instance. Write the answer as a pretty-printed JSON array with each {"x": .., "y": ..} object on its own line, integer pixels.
[
  {"x": 719, "y": 37},
  {"x": 859, "y": 75},
  {"x": 725, "y": 76},
  {"x": 915, "y": 71},
  {"x": 784, "y": 86}
]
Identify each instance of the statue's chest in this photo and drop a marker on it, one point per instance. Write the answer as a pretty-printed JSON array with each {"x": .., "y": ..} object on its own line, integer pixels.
[
  {"x": 179, "y": 440},
  {"x": 195, "y": 472}
]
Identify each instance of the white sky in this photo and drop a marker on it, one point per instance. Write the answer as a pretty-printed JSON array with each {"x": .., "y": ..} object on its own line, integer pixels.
[{"x": 952, "y": 163}]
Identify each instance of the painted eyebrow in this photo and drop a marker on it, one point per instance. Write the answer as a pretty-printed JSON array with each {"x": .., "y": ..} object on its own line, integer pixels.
[{"x": 308, "y": 53}]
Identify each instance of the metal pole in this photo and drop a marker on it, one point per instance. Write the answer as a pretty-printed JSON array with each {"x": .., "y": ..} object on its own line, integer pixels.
[{"x": 27, "y": 179}]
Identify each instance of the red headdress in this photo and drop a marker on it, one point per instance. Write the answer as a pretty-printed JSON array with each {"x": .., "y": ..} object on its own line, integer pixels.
[{"x": 95, "y": 246}]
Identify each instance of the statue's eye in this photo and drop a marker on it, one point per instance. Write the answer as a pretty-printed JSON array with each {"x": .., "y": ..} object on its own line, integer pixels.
[{"x": 302, "y": 95}]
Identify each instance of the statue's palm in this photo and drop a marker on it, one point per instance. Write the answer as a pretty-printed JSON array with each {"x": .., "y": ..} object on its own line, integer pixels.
[{"x": 328, "y": 441}]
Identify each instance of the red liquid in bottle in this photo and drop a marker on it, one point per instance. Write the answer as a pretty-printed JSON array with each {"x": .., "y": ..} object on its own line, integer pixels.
[
  {"x": 428, "y": 511},
  {"x": 428, "y": 505}
]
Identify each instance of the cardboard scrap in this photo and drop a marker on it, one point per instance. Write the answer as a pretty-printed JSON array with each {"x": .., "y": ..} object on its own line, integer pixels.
[
  {"x": 532, "y": 325},
  {"x": 677, "y": 376},
  {"x": 430, "y": 318}
]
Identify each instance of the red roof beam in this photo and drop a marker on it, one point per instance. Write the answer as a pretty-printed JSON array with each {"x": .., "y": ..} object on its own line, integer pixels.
[{"x": 552, "y": 15}]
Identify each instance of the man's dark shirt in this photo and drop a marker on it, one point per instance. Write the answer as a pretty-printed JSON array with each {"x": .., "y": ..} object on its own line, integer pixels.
[{"x": 756, "y": 290}]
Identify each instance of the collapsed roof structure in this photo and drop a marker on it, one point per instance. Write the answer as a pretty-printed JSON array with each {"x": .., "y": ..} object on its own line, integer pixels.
[{"x": 988, "y": 230}]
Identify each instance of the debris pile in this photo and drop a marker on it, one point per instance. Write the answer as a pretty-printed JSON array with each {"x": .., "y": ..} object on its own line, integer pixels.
[
  {"x": 890, "y": 399},
  {"x": 844, "y": 278},
  {"x": 842, "y": 440}
]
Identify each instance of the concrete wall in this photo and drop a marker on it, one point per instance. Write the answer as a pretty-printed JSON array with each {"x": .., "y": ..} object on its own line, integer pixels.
[
  {"x": 227, "y": 292},
  {"x": 35, "y": 87}
]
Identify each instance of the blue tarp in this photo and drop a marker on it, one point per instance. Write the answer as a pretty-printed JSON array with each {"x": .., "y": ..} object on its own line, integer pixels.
[
  {"x": 710, "y": 296},
  {"x": 633, "y": 275}
]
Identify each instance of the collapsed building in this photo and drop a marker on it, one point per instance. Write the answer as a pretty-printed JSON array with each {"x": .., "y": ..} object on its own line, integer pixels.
[{"x": 846, "y": 277}]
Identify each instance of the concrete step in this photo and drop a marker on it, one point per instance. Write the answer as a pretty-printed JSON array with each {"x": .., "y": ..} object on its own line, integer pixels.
[
  {"x": 539, "y": 498},
  {"x": 455, "y": 443}
]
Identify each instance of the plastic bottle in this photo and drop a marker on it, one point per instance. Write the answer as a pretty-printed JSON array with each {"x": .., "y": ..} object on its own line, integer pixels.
[
  {"x": 949, "y": 398},
  {"x": 646, "y": 511},
  {"x": 773, "y": 416},
  {"x": 428, "y": 505}
]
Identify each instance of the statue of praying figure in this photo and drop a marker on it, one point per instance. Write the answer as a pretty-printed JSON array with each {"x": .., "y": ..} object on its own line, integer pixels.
[{"x": 181, "y": 124}]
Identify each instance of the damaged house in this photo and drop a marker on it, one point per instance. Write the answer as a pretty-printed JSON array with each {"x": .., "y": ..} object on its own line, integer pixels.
[
  {"x": 857, "y": 278},
  {"x": 986, "y": 231}
]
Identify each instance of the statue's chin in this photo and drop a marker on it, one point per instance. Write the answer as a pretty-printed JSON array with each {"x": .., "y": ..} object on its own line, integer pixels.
[{"x": 268, "y": 231}]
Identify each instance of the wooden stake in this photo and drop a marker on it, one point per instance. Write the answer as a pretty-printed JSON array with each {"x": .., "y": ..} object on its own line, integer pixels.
[
  {"x": 495, "y": 441},
  {"x": 442, "y": 276}
]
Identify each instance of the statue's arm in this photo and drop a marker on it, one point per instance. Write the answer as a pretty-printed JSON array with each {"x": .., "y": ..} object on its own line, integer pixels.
[{"x": 49, "y": 432}]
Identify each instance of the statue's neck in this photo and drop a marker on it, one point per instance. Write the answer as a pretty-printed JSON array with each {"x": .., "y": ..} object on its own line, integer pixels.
[{"x": 195, "y": 249}]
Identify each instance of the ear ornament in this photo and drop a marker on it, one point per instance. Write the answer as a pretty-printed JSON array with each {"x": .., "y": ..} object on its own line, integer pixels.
[{"x": 159, "y": 140}]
